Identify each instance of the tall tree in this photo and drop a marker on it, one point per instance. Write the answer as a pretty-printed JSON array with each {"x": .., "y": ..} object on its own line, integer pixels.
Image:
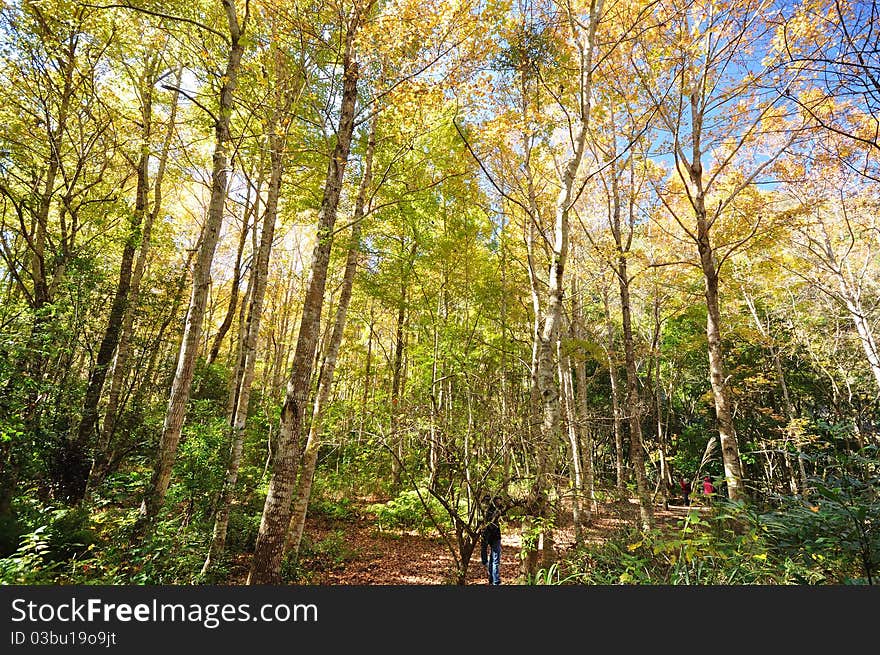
[
  {"x": 328, "y": 367},
  {"x": 104, "y": 457},
  {"x": 154, "y": 496},
  {"x": 268, "y": 552},
  {"x": 60, "y": 139},
  {"x": 716, "y": 119}
]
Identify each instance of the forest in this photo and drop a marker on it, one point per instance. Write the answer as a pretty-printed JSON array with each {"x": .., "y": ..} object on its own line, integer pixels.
[{"x": 289, "y": 288}]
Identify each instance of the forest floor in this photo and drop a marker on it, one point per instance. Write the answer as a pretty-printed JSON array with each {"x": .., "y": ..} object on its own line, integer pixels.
[{"x": 354, "y": 551}]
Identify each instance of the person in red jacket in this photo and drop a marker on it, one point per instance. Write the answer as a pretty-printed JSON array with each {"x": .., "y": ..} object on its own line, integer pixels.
[
  {"x": 685, "y": 490},
  {"x": 708, "y": 487}
]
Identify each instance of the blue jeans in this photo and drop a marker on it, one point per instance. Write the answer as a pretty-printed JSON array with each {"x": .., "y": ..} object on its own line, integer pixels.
[{"x": 491, "y": 558}]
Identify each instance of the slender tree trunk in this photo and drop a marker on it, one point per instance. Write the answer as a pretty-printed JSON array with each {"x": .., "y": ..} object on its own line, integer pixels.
[
  {"x": 584, "y": 435},
  {"x": 636, "y": 446},
  {"x": 665, "y": 469},
  {"x": 268, "y": 553},
  {"x": 77, "y": 466},
  {"x": 436, "y": 397},
  {"x": 367, "y": 374},
  {"x": 123, "y": 349},
  {"x": 241, "y": 388},
  {"x": 617, "y": 420},
  {"x": 180, "y": 389},
  {"x": 726, "y": 431},
  {"x": 537, "y": 505},
  {"x": 572, "y": 432},
  {"x": 310, "y": 456},
  {"x": 236, "y": 282},
  {"x": 396, "y": 379},
  {"x": 797, "y": 484},
  {"x": 31, "y": 366},
  {"x": 623, "y": 242},
  {"x": 858, "y": 315}
]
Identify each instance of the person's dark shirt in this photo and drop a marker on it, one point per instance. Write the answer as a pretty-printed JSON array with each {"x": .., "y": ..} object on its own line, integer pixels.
[{"x": 491, "y": 526}]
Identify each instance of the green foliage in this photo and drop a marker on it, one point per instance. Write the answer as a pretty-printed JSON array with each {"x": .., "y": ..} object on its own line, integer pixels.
[
  {"x": 326, "y": 554},
  {"x": 121, "y": 486},
  {"x": 406, "y": 511},
  {"x": 835, "y": 530},
  {"x": 329, "y": 552},
  {"x": 532, "y": 532},
  {"x": 553, "y": 576},
  {"x": 201, "y": 461},
  {"x": 242, "y": 530},
  {"x": 723, "y": 548},
  {"x": 66, "y": 537},
  {"x": 70, "y": 533},
  {"x": 30, "y": 564},
  {"x": 329, "y": 498},
  {"x": 172, "y": 553},
  {"x": 356, "y": 468},
  {"x": 335, "y": 510}
]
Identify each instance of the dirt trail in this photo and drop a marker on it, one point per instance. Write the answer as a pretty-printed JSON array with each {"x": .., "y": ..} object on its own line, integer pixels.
[{"x": 355, "y": 552}]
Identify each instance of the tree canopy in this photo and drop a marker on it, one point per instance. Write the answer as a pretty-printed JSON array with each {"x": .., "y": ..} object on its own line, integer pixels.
[{"x": 263, "y": 262}]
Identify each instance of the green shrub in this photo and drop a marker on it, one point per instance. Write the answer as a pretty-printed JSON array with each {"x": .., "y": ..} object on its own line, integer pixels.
[
  {"x": 171, "y": 554},
  {"x": 832, "y": 535},
  {"x": 200, "y": 466},
  {"x": 70, "y": 534},
  {"x": 30, "y": 563},
  {"x": 337, "y": 510},
  {"x": 326, "y": 554},
  {"x": 723, "y": 549},
  {"x": 407, "y": 511},
  {"x": 241, "y": 532}
]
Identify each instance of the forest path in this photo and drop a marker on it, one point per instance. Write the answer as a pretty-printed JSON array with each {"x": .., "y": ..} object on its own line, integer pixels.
[{"x": 355, "y": 552}]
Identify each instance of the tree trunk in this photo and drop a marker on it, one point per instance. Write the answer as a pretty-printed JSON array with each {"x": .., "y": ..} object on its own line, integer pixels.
[
  {"x": 537, "y": 505},
  {"x": 241, "y": 388},
  {"x": 617, "y": 420},
  {"x": 30, "y": 366},
  {"x": 123, "y": 348},
  {"x": 636, "y": 447},
  {"x": 584, "y": 435},
  {"x": 573, "y": 441},
  {"x": 77, "y": 466},
  {"x": 798, "y": 483},
  {"x": 236, "y": 282},
  {"x": 396, "y": 378},
  {"x": 310, "y": 456},
  {"x": 268, "y": 553},
  {"x": 180, "y": 389},
  {"x": 726, "y": 431}
]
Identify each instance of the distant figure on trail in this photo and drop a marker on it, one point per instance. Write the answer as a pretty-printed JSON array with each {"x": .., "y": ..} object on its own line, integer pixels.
[
  {"x": 490, "y": 537},
  {"x": 708, "y": 487},
  {"x": 685, "y": 490}
]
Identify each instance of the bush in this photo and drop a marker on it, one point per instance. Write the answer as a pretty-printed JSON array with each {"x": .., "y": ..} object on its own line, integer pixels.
[
  {"x": 336, "y": 510},
  {"x": 241, "y": 532},
  {"x": 723, "y": 549},
  {"x": 30, "y": 564},
  {"x": 833, "y": 533},
  {"x": 407, "y": 511},
  {"x": 70, "y": 534},
  {"x": 171, "y": 554},
  {"x": 327, "y": 554}
]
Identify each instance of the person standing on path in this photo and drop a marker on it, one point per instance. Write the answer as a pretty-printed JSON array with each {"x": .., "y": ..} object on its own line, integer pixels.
[
  {"x": 490, "y": 538},
  {"x": 685, "y": 490},
  {"x": 708, "y": 487}
]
